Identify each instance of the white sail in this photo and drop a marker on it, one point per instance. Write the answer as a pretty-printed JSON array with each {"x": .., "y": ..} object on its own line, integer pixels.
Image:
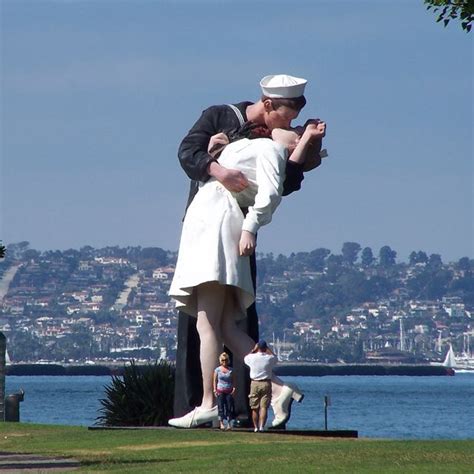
[{"x": 450, "y": 360}]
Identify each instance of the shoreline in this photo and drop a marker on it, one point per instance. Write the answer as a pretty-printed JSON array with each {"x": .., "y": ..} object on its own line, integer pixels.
[{"x": 300, "y": 369}]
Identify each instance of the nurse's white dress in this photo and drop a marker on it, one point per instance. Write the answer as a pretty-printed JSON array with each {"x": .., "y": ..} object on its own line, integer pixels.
[{"x": 209, "y": 247}]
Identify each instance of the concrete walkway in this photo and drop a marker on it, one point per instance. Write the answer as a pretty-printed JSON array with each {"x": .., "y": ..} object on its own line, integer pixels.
[
  {"x": 131, "y": 283},
  {"x": 7, "y": 279},
  {"x": 14, "y": 463}
]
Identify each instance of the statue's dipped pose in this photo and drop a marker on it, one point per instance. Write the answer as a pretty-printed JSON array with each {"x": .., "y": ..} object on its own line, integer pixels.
[{"x": 213, "y": 280}]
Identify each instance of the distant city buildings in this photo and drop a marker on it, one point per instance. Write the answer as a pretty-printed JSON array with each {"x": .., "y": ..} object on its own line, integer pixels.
[{"x": 83, "y": 305}]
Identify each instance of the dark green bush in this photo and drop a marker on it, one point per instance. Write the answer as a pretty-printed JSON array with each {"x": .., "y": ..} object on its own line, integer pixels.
[{"x": 142, "y": 396}]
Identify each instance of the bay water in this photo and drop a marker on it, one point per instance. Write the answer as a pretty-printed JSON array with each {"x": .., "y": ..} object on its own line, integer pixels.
[{"x": 399, "y": 407}]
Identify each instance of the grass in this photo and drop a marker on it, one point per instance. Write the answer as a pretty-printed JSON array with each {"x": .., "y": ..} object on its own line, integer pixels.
[{"x": 172, "y": 450}]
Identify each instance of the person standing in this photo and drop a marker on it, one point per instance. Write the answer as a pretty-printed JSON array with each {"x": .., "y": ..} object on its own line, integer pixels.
[
  {"x": 261, "y": 361},
  {"x": 281, "y": 101},
  {"x": 224, "y": 390}
]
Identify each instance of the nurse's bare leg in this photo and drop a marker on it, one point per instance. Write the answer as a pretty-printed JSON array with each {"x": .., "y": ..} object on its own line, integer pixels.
[
  {"x": 239, "y": 342},
  {"x": 210, "y": 306}
]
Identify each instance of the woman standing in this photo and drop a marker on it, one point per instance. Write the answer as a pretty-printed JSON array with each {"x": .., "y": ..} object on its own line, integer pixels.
[{"x": 224, "y": 389}]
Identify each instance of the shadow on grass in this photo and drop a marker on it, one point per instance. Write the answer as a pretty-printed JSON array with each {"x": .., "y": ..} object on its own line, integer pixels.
[{"x": 98, "y": 463}]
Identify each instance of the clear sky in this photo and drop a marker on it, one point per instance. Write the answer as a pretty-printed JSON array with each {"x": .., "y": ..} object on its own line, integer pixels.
[{"x": 96, "y": 96}]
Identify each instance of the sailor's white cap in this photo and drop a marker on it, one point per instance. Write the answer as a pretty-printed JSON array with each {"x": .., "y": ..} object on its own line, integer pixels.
[{"x": 282, "y": 86}]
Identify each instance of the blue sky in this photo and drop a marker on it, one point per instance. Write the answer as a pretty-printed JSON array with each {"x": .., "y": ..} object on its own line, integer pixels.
[{"x": 96, "y": 96}]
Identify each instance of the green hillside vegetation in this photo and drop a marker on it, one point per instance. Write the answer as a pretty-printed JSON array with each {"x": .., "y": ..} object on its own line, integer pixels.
[{"x": 62, "y": 305}]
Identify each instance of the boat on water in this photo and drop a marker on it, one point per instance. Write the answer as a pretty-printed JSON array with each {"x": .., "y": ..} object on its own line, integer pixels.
[{"x": 463, "y": 362}]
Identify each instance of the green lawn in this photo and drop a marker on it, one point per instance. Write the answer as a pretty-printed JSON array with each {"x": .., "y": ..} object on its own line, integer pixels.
[{"x": 172, "y": 450}]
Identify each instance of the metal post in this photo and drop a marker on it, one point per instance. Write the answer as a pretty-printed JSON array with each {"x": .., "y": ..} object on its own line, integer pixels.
[
  {"x": 3, "y": 348},
  {"x": 327, "y": 402},
  {"x": 12, "y": 406}
]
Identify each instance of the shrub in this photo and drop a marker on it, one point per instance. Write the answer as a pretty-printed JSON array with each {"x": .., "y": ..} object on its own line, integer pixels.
[{"x": 142, "y": 396}]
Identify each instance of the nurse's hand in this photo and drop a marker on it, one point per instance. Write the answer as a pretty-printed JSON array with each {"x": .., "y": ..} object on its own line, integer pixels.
[
  {"x": 315, "y": 129},
  {"x": 247, "y": 243}
]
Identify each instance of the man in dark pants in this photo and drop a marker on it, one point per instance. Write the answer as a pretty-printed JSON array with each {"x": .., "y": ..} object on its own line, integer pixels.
[{"x": 280, "y": 104}]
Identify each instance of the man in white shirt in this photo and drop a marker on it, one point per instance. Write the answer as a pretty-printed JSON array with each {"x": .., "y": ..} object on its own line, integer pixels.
[{"x": 261, "y": 362}]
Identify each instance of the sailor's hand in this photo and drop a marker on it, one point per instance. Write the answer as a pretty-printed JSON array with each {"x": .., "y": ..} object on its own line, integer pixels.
[
  {"x": 233, "y": 180},
  {"x": 217, "y": 143},
  {"x": 247, "y": 243}
]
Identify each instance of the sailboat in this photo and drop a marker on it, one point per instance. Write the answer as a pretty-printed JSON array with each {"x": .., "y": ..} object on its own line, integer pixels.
[
  {"x": 7, "y": 358},
  {"x": 450, "y": 359},
  {"x": 460, "y": 363}
]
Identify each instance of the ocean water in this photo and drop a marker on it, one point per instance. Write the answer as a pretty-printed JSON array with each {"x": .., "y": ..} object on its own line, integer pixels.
[
  {"x": 389, "y": 406},
  {"x": 378, "y": 407}
]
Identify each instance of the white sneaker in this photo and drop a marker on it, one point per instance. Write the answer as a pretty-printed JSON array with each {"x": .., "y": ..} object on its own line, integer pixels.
[
  {"x": 282, "y": 405},
  {"x": 255, "y": 430},
  {"x": 194, "y": 418}
]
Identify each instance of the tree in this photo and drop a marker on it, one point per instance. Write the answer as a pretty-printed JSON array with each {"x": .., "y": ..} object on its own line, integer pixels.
[
  {"x": 437, "y": 286},
  {"x": 453, "y": 9},
  {"x": 418, "y": 257},
  {"x": 464, "y": 287},
  {"x": 71, "y": 254},
  {"x": 2, "y": 251},
  {"x": 417, "y": 284},
  {"x": 435, "y": 262},
  {"x": 334, "y": 267},
  {"x": 152, "y": 257},
  {"x": 387, "y": 256},
  {"x": 17, "y": 250},
  {"x": 422, "y": 257},
  {"x": 379, "y": 287},
  {"x": 31, "y": 254},
  {"x": 464, "y": 264},
  {"x": 317, "y": 258},
  {"x": 86, "y": 252},
  {"x": 354, "y": 287},
  {"x": 282, "y": 262},
  {"x": 23, "y": 346},
  {"x": 350, "y": 252},
  {"x": 367, "y": 257}
]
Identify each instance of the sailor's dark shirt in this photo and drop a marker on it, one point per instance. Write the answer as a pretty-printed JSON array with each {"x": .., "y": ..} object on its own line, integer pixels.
[{"x": 193, "y": 154}]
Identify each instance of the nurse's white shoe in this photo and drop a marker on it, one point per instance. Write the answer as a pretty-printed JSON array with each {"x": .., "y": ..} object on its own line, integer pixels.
[
  {"x": 197, "y": 417},
  {"x": 282, "y": 405}
]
